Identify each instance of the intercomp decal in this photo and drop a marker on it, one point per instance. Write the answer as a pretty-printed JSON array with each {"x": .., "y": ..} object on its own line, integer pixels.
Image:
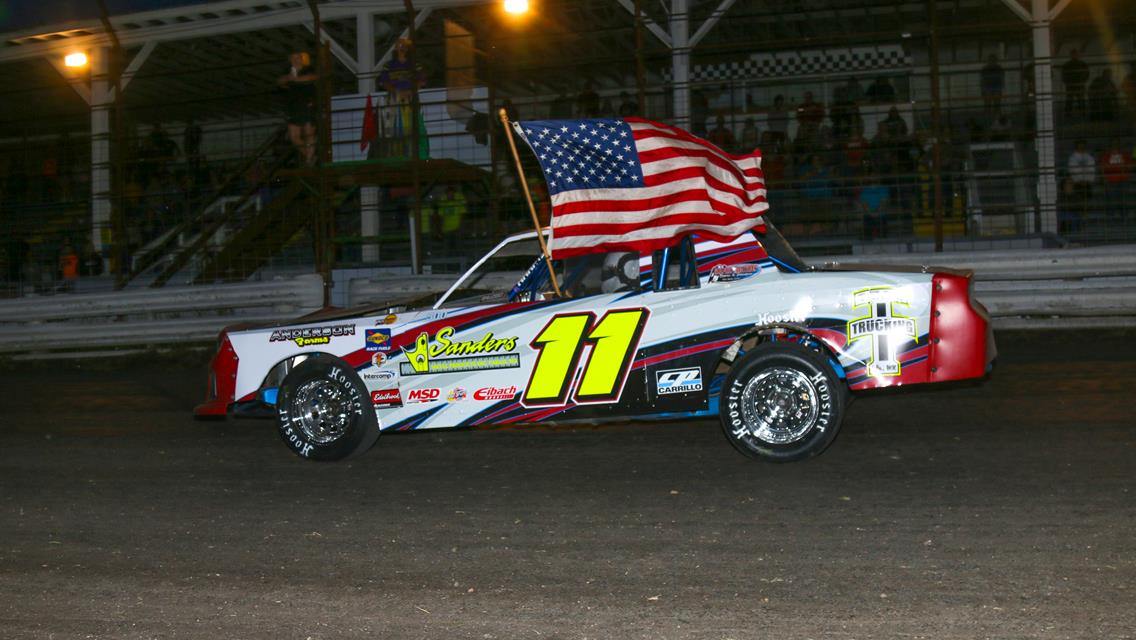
[
  {"x": 312, "y": 335},
  {"x": 886, "y": 329},
  {"x": 472, "y": 355}
]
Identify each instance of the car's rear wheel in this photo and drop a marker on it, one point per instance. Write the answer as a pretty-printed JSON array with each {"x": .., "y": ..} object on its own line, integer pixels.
[
  {"x": 782, "y": 402},
  {"x": 322, "y": 410}
]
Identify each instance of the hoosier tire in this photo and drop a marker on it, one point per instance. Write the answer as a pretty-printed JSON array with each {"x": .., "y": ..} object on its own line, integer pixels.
[
  {"x": 781, "y": 402},
  {"x": 323, "y": 412}
]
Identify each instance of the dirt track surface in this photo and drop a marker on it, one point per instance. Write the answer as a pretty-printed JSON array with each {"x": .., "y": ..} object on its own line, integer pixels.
[{"x": 1001, "y": 510}]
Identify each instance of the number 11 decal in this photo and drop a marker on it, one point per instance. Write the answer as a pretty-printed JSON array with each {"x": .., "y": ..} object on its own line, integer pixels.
[{"x": 614, "y": 340}]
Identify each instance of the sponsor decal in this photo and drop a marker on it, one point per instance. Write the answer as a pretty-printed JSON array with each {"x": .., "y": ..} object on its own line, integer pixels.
[
  {"x": 379, "y": 376},
  {"x": 377, "y": 339},
  {"x": 459, "y": 365},
  {"x": 731, "y": 272},
  {"x": 312, "y": 335},
  {"x": 423, "y": 395},
  {"x": 886, "y": 328},
  {"x": 378, "y": 359},
  {"x": 786, "y": 316},
  {"x": 390, "y": 319},
  {"x": 430, "y": 356},
  {"x": 495, "y": 393},
  {"x": 678, "y": 381},
  {"x": 386, "y": 398},
  {"x": 457, "y": 394}
]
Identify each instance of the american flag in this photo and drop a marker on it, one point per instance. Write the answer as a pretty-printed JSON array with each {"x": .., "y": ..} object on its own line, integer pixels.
[{"x": 637, "y": 185}]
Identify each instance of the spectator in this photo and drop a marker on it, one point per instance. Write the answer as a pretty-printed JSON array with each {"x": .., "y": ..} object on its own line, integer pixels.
[
  {"x": 1115, "y": 168},
  {"x": 699, "y": 112},
  {"x": 627, "y": 106},
  {"x": 721, "y": 136},
  {"x": 810, "y": 114},
  {"x": 817, "y": 182},
  {"x": 607, "y": 110},
  {"x": 1074, "y": 75},
  {"x": 561, "y": 107},
  {"x": 750, "y": 138},
  {"x": 843, "y": 112},
  {"x": 299, "y": 85},
  {"x": 778, "y": 121},
  {"x": 1068, "y": 207},
  {"x": 993, "y": 81},
  {"x": 853, "y": 91},
  {"x": 881, "y": 91},
  {"x": 893, "y": 129},
  {"x": 402, "y": 79},
  {"x": 1103, "y": 98},
  {"x": 588, "y": 102},
  {"x": 1082, "y": 171},
  {"x": 445, "y": 224},
  {"x": 1128, "y": 88},
  {"x": 68, "y": 266},
  {"x": 871, "y": 203},
  {"x": 855, "y": 149}
]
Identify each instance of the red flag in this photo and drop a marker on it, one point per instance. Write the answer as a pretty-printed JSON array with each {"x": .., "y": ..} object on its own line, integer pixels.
[
  {"x": 370, "y": 125},
  {"x": 637, "y": 185}
]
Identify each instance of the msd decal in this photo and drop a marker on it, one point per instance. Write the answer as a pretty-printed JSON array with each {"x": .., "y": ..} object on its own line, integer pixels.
[
  {"x": 678, "y": 381},
  {"x": 423, "y": 395},
  {"x": 495, "y": 393},
  {"x": 886, "y": 329},
  {"x": 386, "y": 398}
]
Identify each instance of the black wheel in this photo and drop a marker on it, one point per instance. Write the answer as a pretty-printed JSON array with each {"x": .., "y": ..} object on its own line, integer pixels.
[
  {"x": 782, "y": 402},
  {"x": 322, "y": 410}
]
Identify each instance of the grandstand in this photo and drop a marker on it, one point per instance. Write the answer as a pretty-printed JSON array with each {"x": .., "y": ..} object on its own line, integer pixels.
[{"x": 164, "y": 159}]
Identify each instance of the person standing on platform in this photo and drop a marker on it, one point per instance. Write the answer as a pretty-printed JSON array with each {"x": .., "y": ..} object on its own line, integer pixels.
[
  {"x": 401, "y": 79},
  {"x": 299, "y": 85}
]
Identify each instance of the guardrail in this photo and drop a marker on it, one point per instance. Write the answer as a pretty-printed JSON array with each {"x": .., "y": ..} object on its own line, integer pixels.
[{"x": 1029, "y": 289}]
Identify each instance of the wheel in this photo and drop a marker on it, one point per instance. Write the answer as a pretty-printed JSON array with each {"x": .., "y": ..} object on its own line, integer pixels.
[
  {"x": 782, "y": 402},
  {"x": 322, "y": 410}
]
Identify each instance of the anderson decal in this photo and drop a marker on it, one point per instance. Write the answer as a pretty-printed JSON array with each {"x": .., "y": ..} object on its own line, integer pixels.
[
  {"x": 312, "y": 335},
  {"x": 886, "y": 329},
  {"x": 428, "y": 357}
]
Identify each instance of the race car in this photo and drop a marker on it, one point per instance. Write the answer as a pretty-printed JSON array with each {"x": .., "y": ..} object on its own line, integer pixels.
[{"x": 742, "y": 330}]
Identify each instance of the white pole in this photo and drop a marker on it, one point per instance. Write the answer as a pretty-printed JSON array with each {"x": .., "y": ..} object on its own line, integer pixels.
[
  {"x": 680, "y": 61},
  {"x": 1043, "y": 106},
  {"x": 369, "y": 195},
  {"x": 101, "y": 103}
]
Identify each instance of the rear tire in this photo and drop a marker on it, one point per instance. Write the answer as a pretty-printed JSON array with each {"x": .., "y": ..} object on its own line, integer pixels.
[
  {"x": 782, "y": 402},
  {"x": 323, "y": 412}
]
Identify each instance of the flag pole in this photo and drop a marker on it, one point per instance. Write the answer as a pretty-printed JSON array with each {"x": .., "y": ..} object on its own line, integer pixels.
[{"x": 528, "y": 198}]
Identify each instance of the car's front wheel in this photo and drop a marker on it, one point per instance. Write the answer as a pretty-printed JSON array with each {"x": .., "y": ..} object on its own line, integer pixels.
[
  {"x": 322, "y": 410},
  {"x": 781, "y": 402}
]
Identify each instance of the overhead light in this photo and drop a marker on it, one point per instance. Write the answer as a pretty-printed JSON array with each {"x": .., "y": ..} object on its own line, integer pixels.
[
  {"x": 76, "y": 59},
  {"x": 516, "y": 7}
]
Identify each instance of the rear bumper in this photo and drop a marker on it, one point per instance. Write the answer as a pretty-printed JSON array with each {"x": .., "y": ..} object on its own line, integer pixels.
[
  {"x": 222, "y": 382},
  {"x": 962, "y": 337}
]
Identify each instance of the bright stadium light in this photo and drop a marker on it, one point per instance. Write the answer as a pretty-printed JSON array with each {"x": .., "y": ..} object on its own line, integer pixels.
[
  {"x": 77, "y": 59},
  {"x": 516, "y": 7}
]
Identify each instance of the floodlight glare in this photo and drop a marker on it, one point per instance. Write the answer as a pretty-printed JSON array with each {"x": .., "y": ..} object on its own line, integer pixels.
[
  {"x": 77, "y": 59},
  {"x": 516, "y": 7}
]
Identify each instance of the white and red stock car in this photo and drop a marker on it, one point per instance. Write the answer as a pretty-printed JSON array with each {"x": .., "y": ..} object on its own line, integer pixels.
[{"x": 743, "y": 330}]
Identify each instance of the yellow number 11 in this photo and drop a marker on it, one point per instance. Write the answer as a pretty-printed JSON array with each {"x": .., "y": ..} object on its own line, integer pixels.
[{"x": 613, "y": 340}]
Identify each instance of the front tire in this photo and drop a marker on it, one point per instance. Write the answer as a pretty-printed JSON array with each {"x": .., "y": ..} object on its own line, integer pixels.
[
  {"x": 322, "y": 410},
  {"x": 782, "y": 402}
]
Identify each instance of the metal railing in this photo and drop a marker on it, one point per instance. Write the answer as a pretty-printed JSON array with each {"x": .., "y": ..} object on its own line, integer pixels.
[{"x": 1023, "y": 290}]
